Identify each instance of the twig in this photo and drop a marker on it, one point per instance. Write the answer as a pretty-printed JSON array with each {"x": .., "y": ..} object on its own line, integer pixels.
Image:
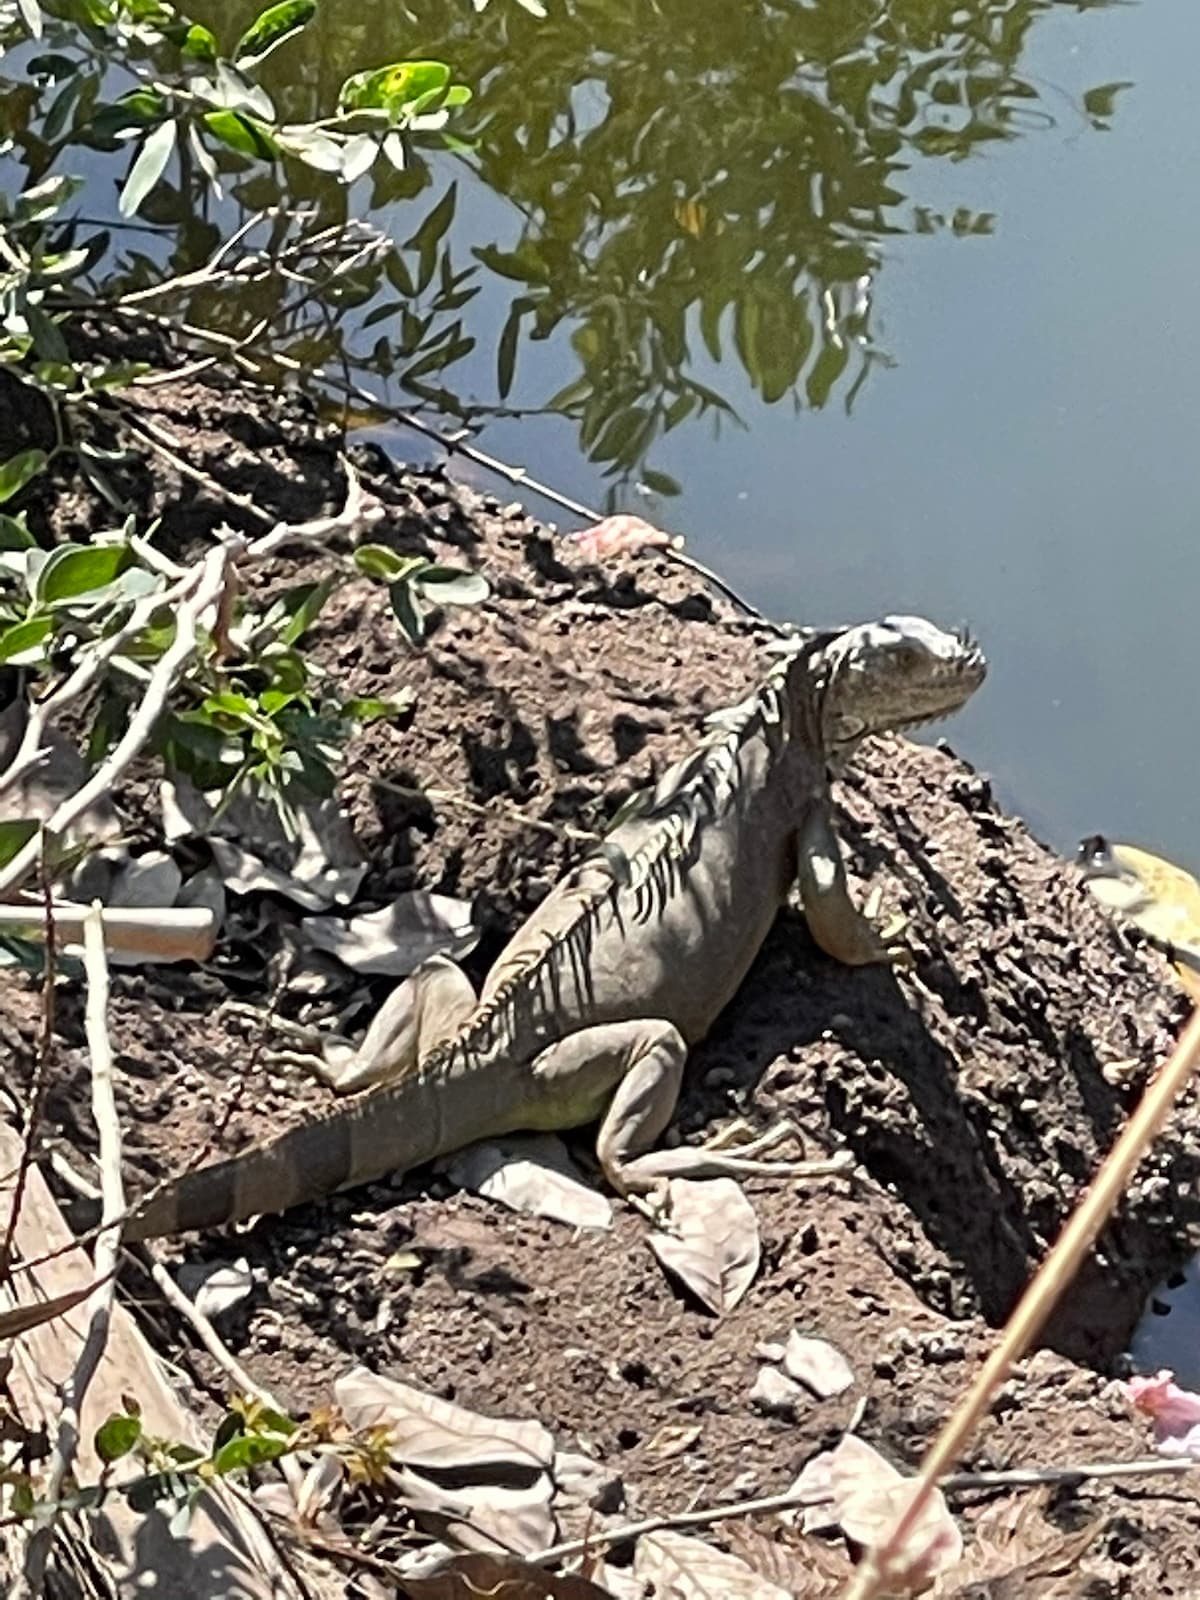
[
  {"x": 43, "y": 712},
  {"x": 358, "y": 509},
  {"x": 292, "y": 1469},
  {"x": 207, "y": 582},
  {"x": 41, "y": 1075},
  {"x": 205, "y": 1149},
  {"x": 454, "y": 444},
  {"x": 104, "y": 1110},
  {"x": 1039, "y": 1299}
]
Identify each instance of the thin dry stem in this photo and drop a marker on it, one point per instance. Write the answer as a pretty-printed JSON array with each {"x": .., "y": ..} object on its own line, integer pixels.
[
  {"x": 104, "y": 1109},
  {"x": 1040, "y": 1298}
]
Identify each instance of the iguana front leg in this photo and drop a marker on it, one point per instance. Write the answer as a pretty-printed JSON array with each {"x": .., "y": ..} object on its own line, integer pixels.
[
  {"x": 429, "y": 1007},
  {"x": 637, "y": 1067},
  {"x": 836, "y": 924}
]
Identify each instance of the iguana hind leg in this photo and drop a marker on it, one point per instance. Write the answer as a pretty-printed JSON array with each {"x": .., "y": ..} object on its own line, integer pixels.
[
  {"x": 422, "y": 1012},
  {"x": 835, "y": 922},
  {"x": 641, "y": 1064}
]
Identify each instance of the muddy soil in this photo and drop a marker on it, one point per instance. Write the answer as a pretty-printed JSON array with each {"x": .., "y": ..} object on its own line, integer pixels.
[{"x": 977, "y": 1091}]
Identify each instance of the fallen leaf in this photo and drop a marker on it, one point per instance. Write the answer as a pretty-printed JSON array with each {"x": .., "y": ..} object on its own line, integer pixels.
[
  {"x": 870, "y": 1496},
  {"x": 532, "y": 1174},
  {"x": 428, "y": 1432},
  {"x": 489, "y": 1516},
  {"x": 799, "y": 1565},
  {"x": 817, "y": 1364},
  {"x": 672, "y": 1439},
  {"x": 680, "y": 1567},
  {"x": 398, "y": 938},
  {"x": 713, "y": 1245}
]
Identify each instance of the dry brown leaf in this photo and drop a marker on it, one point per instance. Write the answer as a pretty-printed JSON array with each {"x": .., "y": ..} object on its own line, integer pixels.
[
  {"x": 1015, "y": 1554},
  {"x": 498, "y": 1578},
  {"x": 803, "y": 1566},
  {"x": 490, "y": 1517},
  {"x": 817, "y": 1364},
  {"x": 436, "y": 1434},
  {"x": 713, "y": 1245},
  {"x": 19, "y": 1319},
  {"x": 870, "y": 1496},
  {"x": 680, "y": 1567}
]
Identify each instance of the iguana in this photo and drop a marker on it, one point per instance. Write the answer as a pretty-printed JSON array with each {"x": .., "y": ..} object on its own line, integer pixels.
[{"x": 591, "y": 1008}]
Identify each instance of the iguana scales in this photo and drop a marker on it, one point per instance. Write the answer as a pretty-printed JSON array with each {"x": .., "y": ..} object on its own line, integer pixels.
[{"x": 591, "y": 1008}]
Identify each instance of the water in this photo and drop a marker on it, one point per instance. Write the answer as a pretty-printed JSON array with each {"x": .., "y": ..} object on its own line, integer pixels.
[{"x": 1000, "y": 428}]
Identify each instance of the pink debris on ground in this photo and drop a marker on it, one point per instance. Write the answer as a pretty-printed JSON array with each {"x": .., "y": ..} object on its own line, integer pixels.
[
  {"x": 1176, "y": 1412},
  {"x": 621, "y": 536}
]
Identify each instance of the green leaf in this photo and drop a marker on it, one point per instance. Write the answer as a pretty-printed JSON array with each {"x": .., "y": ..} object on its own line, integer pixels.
[
  {"x": 132, "y": 110},
  {"x": 303, "y": 606},
  {"x": 506, "y": 353},
  {"x": 44, "y": 200},
  {"x": 270, "y": 28},
  {"x": 157, "y": 149},
  {"x": 31, "y": 16},
  {"x": 22, "y": 643},
  {"x": 1102, "y": 100},
  {"x": 247, "y": 1450},
  {"x": 47, "y": 337},
  {"x": 14, "y": 535},
  {"x": 15, "y": 835},
  {"x": 200, "y": 43},
  {"x": 452, "y": 586},
  {"x": 367, "y": 708},
  {"x": 407, "y": 609},
  {"x": 74, "y": 570},
  {"x": 116, "y": 1437},
  {"x": 16, "y": 472},
  {"x": 242, "y": 132},
  {"x": 393, "y": 88},
  {"x": 377, "y": 561},
  {"x": 660, "y": 482}
]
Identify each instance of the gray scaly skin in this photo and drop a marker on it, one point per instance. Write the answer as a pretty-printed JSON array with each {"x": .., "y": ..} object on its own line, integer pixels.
[{"x": 591, "y": 1009}]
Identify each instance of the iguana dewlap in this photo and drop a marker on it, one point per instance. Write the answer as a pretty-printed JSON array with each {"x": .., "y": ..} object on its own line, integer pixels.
[{"x": 590, "y": 1010}]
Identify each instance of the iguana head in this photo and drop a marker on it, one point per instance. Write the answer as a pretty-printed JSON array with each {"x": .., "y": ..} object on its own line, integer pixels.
[{"x": 885, "y": 676}]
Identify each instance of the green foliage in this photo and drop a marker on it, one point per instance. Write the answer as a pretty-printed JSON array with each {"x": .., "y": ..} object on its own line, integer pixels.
[{"x": 414, "y": 584}]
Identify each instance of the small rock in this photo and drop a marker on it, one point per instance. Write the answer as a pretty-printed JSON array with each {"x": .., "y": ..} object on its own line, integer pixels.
[{"x": 775, "y": 1394}]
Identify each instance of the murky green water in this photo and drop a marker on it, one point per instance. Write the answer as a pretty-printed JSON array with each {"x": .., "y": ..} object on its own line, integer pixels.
[{"x": 900, "y": 295}]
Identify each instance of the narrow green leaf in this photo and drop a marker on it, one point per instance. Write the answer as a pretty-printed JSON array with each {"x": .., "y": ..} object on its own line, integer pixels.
[
  {"x": 270, "y": 28},
  {"x": 242, "y": 132},
  {"x": 16, "y": 472},
  {"x": 148, "y": 168},
  {"x": 660, "y": 482},
  {"x": 22, "y": 643},
  {"x": 116, "y": 1437},
  {"x": 74, "y": 570},
  {"x": 15, "y": 835},
  {"x": 506, "y": 353},
  {"x": 304, "y": 606},
  {"x": 47, "y": 338},
  {"x": 407, "y": 609},
  {"x": 31, "y": 16},
  {"x": 377, "y": 561}
]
